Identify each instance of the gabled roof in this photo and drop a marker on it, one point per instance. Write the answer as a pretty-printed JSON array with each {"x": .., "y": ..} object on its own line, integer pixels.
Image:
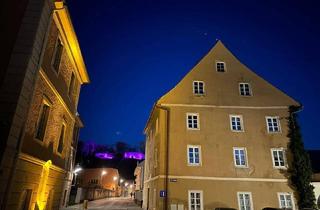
[{"x": 222, "y": 88}]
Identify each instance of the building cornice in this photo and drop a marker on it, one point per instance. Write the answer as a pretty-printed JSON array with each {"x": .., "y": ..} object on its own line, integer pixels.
[
  {"x": 224, "y": 107},
  {"x": 63, "y": 21},
  {"x": 242, "y": 179},
  {"x": 39, "y": 162}
]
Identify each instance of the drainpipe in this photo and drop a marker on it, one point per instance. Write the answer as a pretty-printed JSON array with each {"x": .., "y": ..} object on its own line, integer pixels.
[{"x": 167, "y": 110}]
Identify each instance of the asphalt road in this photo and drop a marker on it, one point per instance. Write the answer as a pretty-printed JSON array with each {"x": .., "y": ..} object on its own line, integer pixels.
[{"x": 109, "y": 204}]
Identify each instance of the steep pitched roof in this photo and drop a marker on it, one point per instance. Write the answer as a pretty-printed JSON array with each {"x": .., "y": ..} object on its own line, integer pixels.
[{"x": 222, "y": 88}]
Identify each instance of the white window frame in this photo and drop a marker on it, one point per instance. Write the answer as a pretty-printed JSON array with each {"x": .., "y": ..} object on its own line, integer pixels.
[
  {"x": 286, "y": 193},
  {"x": 284, "y": 158},
  {"x": 201, "y": 198},
  {"x": 198, "y": 121},
  {"x": 234, "y": 157},
  {"x": 250, "y": 195},
  {"x": 197, "y": 82},
  {"x": 199, "y": 148},
  {"x": 250, "y": 89},
  {"x": 278, "y": 122},
  {"x": 224, "y": 66},
  {"x": 241, "y": 123}
]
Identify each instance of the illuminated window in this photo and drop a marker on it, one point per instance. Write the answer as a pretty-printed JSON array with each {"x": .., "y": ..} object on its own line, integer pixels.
[
  {"x": 240, "y": 157},
  {"x": 278, "y": 158},
  {"x": 61, "y": 138},
  {"x": 57, "y": 55},
  {"x": 273, "y": 124},
  {"x": 236, "y": 123},
  {"x": 195, "y": 200},
  {"x": 198, "y": 87},
  {"x": 194, "y": 156},
  {"x": 42, "y": 122},
  {"x": 71, "y": 84},
  {"x": 193, "y": 121},
  {"x": 220, "y": 66},
  {"x": 285, "y": 200},
  {"x": 244, "y": 200},
  {"x": 245, "y": 89}
]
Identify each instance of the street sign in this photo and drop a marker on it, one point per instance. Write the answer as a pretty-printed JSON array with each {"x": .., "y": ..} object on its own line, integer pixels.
[
  {"x": 163, "y": 193},
  {"x": 173, "y": 180}
]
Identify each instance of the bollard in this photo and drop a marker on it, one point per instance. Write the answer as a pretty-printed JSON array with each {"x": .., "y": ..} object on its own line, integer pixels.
[{"x": 85, "y": 204}]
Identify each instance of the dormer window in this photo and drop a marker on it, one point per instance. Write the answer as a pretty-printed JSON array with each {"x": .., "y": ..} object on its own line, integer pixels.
[
  {"x": 220, "y": 66},
  {"x": 245, "y": 89},
  {"x": 198, "y": 87}
]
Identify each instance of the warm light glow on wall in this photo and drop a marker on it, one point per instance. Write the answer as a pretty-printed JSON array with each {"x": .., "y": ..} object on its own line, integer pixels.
[{"x": 41, "y": 194}]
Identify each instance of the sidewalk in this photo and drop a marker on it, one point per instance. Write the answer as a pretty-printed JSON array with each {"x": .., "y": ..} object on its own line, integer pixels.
[{"x": 107, "y": 204}]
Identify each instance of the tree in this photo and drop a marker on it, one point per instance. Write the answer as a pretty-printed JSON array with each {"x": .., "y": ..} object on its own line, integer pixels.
[{"x": 300, "y": 168}]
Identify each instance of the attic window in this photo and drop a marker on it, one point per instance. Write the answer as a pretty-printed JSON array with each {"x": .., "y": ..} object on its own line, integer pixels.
[
  {"x": 198, "y": 87},
  {"x": 220, "y": 66}
]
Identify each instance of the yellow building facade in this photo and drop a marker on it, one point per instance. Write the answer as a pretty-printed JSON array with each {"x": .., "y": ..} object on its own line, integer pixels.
[
  {"x": 37, "y": 168},
  {"x": 218, "y": 139}
]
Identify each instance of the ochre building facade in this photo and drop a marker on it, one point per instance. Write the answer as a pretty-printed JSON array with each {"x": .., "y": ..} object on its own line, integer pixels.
[
  {"x": 218, "y": 139},
  {"x": 42, "y": 133}
]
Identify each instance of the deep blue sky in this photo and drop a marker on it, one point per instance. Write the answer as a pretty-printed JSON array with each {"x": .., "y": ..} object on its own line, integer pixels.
[{"x": 136, "y": 50}]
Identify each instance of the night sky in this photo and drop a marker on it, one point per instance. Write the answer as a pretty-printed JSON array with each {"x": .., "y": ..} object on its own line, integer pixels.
[{"x": 137, "y": 50}]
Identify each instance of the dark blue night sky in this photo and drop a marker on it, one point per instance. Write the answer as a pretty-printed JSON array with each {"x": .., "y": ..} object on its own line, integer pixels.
[{"x": 136, "y": 50}]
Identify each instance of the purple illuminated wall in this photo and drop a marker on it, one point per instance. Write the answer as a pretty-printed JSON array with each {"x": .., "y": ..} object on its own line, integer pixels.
[
  {"x": 104, "y": 155},
  {"x": 134, "y": 155}
]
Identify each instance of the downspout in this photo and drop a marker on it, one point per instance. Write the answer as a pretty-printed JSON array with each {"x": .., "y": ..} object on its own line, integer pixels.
[{"x": 166, "y": 183}]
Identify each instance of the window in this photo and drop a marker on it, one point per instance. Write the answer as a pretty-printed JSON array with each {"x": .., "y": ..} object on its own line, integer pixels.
[
  {"x": 245, "y": 89},
  {"x": 273, "y": 124},
  {"x": 26, "y": 199},
  {"x": 285, "y": 200},
  {"x": 193, "y": 121},
  {"x": 42, "y": 122},
  {"x": 278, "y": 158},
  {"x": 220, "y": 66},
  {"x": 240, "y": 159},
  {"x": 244, "y": 200},
  {"x": 71, "y": 84},
  {"x": 155, "y": 158},
  {"x": 61, "y": 138},
  {"x": 194, "y": 158},
  {"x": 198, "y": 87},
  {"x": 236, "y": 123},
  {"x": 195, "y": 200},
  {"x": 57, "y": 54}
]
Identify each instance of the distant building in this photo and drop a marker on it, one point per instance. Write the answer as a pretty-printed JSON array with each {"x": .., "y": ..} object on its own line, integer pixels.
[
  {"x": 219, "y": 139},
  {"x": 315, "y": 162},
  {"x": 139, "y": 179},
  {"x": 99, "y": 182},
  {"x": 42, "y": 72}
]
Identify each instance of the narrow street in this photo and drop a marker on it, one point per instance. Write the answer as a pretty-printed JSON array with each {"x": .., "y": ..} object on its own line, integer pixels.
[{"x": 109, "y": 204}]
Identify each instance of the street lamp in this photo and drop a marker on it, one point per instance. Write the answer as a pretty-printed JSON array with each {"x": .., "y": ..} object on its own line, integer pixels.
[
  {"x": 126, "y": 184},
  {"x": 76, "y": 170},
  {"x": 121, "y": 180},
  {"x": 115, "y": 178},
  {"x": 102, "y": 174}
]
